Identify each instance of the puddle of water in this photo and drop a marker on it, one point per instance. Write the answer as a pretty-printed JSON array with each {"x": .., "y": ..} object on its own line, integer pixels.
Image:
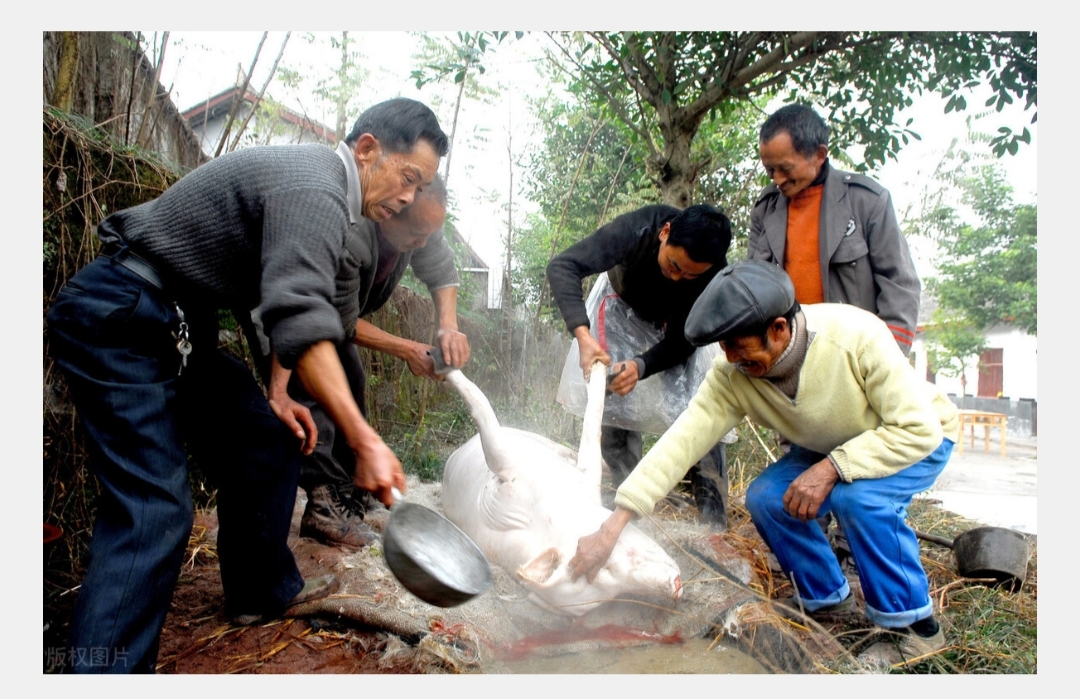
[{"x": 690, "y": 657}]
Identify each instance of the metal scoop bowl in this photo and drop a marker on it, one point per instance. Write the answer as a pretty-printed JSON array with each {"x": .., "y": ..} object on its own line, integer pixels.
[{"x": 431, "y": 557}]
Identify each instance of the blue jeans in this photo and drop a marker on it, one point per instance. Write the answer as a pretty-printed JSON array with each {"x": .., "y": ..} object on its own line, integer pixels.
[
  {"x": 872, "y": 512},
  {"x": 111, "y": 333}
]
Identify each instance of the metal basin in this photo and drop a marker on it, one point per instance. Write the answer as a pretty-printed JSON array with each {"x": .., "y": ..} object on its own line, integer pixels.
[
  {"x": 988, "y": 553},
  {"x": 992, "y": 552},
  {"x": 432, "y": 558}
]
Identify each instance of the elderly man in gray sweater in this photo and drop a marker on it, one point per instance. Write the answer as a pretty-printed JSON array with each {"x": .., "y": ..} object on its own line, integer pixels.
[{"x": 135, "y": 334}]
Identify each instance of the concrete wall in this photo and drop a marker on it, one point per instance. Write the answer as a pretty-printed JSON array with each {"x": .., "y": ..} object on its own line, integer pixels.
[{"x": 1023, "y": 413}]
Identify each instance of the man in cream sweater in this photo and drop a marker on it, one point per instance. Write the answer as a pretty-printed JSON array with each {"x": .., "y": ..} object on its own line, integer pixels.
[{"x": 866, "y": 434}]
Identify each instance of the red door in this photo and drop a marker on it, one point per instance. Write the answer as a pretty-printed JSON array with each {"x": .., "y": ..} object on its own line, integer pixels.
[{"x": 990, "y": 373}]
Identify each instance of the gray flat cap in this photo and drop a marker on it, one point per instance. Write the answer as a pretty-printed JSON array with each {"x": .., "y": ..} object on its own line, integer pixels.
[{"x": 742, "y": 297}]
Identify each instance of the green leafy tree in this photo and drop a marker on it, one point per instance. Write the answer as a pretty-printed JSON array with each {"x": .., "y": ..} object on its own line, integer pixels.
[
  {"x": 953, "y": 346},
  {"x": 987, "y": 271},
  {"x": 662, "y": 86},
  {"x": 589, "y": 168}
]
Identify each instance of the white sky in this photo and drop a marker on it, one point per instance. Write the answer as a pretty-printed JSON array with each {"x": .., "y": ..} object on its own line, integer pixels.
[{"x": 201, "y": 64}]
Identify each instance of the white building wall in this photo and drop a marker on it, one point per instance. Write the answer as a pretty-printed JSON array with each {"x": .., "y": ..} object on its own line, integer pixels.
[
  {"x": 1019, "y": 358},
  {"x": 289, "y": 133}
]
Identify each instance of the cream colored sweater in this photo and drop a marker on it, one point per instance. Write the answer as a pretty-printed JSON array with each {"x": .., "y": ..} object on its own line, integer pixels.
[{"x": 858, "y": 400}]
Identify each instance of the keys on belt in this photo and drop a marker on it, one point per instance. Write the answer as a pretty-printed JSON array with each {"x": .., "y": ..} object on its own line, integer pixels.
[
  {"x": 122, "y": 255},
  {"x": 183, "y": 342}
]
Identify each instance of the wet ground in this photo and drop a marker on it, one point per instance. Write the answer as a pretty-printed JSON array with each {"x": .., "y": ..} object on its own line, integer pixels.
[
  {"x": 692, "y": 656},
  {"x": 995, "y": 490}
]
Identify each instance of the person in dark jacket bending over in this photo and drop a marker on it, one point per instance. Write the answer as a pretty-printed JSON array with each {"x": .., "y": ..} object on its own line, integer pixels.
[
  {"x": 414, "y": 237},
  {"x": 136, "y": 334},
  {"x": 658, "y": 259}
]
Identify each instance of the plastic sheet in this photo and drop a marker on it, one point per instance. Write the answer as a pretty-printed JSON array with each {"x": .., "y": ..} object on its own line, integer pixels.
[{"x": 657, "y": 400}]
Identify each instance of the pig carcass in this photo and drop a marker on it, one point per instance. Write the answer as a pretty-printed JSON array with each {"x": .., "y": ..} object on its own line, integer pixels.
[{"x": 526, "y": 500}]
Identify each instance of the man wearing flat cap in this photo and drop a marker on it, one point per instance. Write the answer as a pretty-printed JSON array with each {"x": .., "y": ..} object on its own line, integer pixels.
[{"x": 866, "y": 434}]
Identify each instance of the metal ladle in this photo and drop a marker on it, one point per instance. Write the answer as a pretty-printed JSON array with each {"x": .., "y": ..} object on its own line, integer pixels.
[{"x": 431, "y": 557}]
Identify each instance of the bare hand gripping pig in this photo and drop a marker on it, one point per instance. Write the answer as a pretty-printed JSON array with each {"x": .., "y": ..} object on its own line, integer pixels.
[{"x": 526, "y": 501}]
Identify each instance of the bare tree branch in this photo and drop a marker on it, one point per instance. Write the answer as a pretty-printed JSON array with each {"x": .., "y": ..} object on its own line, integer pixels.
[
  {"x": 555, "y": 240},
  {"x": 258, "y": 98},
  {"x": 239, "y": 98},
  {"x": 611, "y": 189},
  {"x": 156, "y": 101}
]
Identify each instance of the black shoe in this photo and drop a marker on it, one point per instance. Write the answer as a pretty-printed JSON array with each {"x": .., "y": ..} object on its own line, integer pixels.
[
  {"x": 709, "y": 499},
  {"x": 314, "y": 589},
  {"x": 329, "y": 520}
]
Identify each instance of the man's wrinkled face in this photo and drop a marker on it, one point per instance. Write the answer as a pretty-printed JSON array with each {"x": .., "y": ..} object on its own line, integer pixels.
[
  {"x": 753, "y": 357},
  {"x": 412, "y": 229},
  {"x": 790, "y": 170},
  {"x": 674, "y": 263},
  {"x": 389, "y": 181}
]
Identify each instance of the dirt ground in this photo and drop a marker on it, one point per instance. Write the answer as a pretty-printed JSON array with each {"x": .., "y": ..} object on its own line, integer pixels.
[{"x": 198, "y": 638}]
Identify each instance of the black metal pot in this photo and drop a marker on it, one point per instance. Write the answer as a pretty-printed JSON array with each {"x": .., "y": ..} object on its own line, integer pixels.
[
  {"x": 989, "y": 553},
  {"x": 431, "y": 557}
]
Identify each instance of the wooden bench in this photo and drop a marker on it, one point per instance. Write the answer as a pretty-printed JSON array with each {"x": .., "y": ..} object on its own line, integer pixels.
[{"x": 987, "y": 420}]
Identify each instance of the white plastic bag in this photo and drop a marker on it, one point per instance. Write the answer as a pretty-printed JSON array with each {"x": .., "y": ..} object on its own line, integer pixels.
[{"x": 657, "y": 400}]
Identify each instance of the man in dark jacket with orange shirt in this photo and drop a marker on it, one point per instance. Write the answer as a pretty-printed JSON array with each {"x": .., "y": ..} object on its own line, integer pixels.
[{"x": 834, "y": 232}]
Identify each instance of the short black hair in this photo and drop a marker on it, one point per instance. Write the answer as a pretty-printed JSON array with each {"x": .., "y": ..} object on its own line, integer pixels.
[
  {"x": 397, "y": 124},
  {"x": 704, "y": 232},
  {"x": 808, "y": 131}
]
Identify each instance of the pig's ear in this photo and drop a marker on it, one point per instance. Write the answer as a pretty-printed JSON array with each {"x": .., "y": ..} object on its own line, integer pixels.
[{"x": 540, "y": 569}]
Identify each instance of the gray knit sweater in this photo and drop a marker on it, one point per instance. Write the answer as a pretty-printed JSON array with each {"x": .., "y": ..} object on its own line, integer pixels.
[{"x": 263, "y": 226}]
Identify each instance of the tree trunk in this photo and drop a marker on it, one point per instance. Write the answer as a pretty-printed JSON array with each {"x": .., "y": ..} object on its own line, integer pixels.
[
  {"x": 66, "y": 73},
  {"x": 453, "y": 128},
  {"x": 342, "y": 98},
  {"x": 675, "y": 170}
]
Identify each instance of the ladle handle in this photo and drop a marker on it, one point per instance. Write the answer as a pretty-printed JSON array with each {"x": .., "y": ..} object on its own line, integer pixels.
[{"x": 934, "y": 539}]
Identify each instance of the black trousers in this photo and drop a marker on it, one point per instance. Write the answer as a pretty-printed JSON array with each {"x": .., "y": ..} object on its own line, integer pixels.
[
  {"x": 111, "y": 332},
  {"x": 622, "y": 450},
  {"x": 332, "y": 462}
]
